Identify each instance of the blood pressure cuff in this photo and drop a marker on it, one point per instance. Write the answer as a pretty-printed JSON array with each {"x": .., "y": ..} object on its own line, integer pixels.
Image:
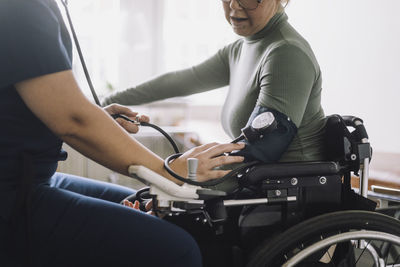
[{"x": 272, "y": 145}]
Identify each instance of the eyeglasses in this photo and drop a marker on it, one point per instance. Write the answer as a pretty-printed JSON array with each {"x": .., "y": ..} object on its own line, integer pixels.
[{"x": 246, "y": 4}]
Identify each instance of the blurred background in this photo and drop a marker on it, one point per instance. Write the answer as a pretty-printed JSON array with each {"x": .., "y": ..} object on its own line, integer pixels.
[{"x": 126, "y": 42}]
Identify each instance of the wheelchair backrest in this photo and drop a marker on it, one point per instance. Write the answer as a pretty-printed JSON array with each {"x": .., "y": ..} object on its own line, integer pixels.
[{"x": 344, "y": 146}]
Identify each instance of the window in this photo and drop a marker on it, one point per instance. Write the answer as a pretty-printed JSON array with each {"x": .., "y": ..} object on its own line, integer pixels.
[
  {"x": 194, "y": 30},
  {"x": 126, "y": 42}
]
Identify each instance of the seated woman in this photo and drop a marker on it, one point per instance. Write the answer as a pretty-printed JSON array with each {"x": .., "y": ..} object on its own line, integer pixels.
[
  {"x": 53, "y": 219},
  {"x": 272, "y": 68}
]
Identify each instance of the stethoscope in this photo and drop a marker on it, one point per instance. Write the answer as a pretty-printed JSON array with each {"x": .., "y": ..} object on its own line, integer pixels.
[{"x": 262, "y": 124}]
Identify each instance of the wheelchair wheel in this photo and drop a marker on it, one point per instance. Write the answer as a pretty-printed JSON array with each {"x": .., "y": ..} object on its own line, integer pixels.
[
  {"x": 277, "y": 251},
  {"x": 364, "y": 243}
]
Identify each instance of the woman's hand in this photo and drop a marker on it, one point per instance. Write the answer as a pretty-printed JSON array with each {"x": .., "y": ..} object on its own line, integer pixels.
[
  {"x": 128, "y": 126},
  {"x": 210, "y": 156}
]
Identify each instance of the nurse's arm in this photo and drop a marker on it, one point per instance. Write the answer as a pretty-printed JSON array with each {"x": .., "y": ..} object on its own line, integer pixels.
[{"x": 59, "y": 103}]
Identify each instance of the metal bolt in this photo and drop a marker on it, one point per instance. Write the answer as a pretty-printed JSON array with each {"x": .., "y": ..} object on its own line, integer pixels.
[
  {"x": 204, "y": 221},
  {"x": 322, "y": 180},
  {"x": 197, "y": 219},
  {"x": 353, "y": 157},
  {"x": 294, "y": 181},
  {"x": 278, "y": 192}
]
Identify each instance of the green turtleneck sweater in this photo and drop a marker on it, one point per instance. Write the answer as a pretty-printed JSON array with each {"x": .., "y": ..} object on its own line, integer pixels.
[{"x": 274, "y": 68}]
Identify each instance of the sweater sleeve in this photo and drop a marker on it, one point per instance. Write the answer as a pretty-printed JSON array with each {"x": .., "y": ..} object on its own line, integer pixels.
[
  {"x": 286, "y": 81},
  {"x": 208, "y": 75}
]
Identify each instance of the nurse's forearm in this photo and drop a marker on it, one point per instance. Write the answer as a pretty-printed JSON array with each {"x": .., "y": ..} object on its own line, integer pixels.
[
  {"x": 57, "y": 101},
  {"x": 98, "y": 137}
]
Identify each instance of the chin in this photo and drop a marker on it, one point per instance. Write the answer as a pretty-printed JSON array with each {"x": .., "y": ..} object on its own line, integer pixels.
[{"x": 241, "y": 33}]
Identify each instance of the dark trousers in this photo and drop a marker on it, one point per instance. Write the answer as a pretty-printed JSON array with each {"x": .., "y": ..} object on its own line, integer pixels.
[{"x": 79, "y": 222}]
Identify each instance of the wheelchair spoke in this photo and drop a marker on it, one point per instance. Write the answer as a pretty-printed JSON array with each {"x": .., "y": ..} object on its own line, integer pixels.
[
  {"x": 387, "y": 256},
  {"x": 330, "y": 257},
  {"x": 329, "y": 260},
  {"x": 396, "y": 261},
  {"x": 362, "y": 252}
]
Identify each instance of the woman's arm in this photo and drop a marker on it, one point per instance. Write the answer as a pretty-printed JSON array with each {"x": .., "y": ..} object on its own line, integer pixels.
[
  {"x": 286, "y": 81},
  {"x": 211, "y": 74},
  {"x": 57, "y": 100}
]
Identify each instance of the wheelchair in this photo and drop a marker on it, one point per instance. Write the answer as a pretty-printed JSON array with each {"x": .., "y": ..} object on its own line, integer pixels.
[{"x": 288, "y": 214}]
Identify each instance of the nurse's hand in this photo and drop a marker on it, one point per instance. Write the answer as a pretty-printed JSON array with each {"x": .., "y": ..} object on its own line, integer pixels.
[
  {"x": 149, "y": 206},
  {"x": 128, "y": 126},
  {"x": 210, "y": 156}
]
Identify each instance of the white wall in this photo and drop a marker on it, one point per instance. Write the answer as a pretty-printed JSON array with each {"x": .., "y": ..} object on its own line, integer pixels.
[{"x": 357, "y": 43}]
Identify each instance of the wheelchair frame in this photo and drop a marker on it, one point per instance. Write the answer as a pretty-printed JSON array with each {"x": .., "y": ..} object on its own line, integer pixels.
[{"x": 300, "y": 187}]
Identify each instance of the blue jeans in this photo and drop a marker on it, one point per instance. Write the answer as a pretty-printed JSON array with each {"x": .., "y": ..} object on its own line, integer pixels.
[{"x": 79, "y": 222}]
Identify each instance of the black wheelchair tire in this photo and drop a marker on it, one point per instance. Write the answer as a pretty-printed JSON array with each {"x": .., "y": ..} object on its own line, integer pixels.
[{"x": 272, "y": 252}]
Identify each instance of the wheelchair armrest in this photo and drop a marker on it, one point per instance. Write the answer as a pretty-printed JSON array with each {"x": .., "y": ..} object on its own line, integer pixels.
[
  {"x": 150, "y": 177},
  {"x": 261, "y": 172},
  {"x": 160, "y": 185}
]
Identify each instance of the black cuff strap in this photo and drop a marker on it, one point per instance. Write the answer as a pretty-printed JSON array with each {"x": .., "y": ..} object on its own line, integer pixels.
[{"x": 271, "y": 146}]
